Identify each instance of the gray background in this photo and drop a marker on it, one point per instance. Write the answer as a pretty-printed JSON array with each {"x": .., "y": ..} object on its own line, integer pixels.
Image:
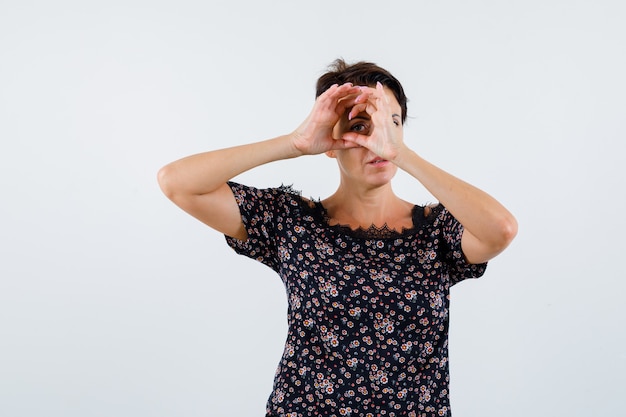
[{"x": 113, "y": 302}]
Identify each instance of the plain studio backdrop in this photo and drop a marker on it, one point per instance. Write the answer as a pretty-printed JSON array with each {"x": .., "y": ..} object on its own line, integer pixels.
[{"x": 113, "y": 302}]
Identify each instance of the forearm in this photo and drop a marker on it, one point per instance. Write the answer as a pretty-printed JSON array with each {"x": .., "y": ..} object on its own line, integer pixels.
[
  {"x": 205, "y": 172},
  {"x": 479, "y": 213}
]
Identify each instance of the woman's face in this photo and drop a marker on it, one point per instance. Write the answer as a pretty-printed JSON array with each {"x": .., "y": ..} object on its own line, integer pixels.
[{"x": 359, "y": 164}]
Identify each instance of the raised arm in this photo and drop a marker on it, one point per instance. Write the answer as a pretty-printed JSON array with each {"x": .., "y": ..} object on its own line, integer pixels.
[
  {"x": 488, "y": 226},
  {"x": 197, "y": 183}
]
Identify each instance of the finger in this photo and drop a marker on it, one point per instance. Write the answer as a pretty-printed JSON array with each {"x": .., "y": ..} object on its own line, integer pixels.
[
  {"x": 373, "y": 94},
  {"x": 353, "y": 95},
  {"x": 366, "y": 101},
  {"x": 338, "y": 97},
  {"x": 346, "y": 102},
  {"x": 381, "y": 101},
  {"x": 380, "y": 89},
  {"x": 339, "y": 144},
  {"x": 355, "y": 139},
  {"x": 342, "y": 90},
  {"x": 370, "y": 108},
  {"x": 336, "y": 90},
  {"x": 352, "y": 106},
  {"x": 356, "y": 109},
  {"x": 324, "y": 100},
  {"x": 364, "y": 94}
]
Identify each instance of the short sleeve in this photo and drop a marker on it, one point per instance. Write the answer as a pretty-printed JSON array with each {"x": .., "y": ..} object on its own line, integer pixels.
[
  {"x": 452, "y": 232},
  {"x": 258, "y": 212}
]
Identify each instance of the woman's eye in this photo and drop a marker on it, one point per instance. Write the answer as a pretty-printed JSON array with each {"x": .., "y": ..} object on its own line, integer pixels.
[{"x": 359, "y": 128}]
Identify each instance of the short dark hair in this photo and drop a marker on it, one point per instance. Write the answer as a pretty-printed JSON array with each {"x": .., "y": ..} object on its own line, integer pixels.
[{"x": 361, "y": 73}]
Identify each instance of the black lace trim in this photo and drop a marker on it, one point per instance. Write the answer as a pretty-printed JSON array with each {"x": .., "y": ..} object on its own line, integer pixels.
[
  {"x": 420, "y": 214},
  {"x": 373, "y": 231},
  {"x": 289, "y": 189}
]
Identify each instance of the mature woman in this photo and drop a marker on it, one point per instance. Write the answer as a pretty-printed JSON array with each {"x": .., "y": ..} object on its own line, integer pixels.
[{"x": 367, "y": 274}]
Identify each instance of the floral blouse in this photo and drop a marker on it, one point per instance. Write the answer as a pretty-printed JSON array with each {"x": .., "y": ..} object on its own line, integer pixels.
[{"x": 367, "y": 309}]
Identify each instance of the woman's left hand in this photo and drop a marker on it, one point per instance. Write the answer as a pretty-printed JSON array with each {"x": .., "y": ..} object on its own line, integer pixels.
[{"x": 384, "y": 138}]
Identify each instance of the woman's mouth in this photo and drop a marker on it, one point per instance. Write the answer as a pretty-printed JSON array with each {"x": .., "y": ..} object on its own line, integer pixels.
[{"x": 378, "y": 161}]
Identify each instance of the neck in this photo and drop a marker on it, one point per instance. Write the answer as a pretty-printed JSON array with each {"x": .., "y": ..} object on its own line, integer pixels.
[{"x": 363, "y": 208}]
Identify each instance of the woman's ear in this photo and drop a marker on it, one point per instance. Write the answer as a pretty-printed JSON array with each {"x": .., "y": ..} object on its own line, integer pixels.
[{"x": 331, "y": 154}]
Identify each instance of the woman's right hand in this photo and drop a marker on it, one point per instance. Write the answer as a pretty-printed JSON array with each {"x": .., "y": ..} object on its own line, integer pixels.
[
  {"x": 315, "y": 134},
  {"x": 197, "y": 183}
]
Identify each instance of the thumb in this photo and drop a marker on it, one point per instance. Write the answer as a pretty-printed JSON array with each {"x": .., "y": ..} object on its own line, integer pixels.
[
  {"x": 339, "y": 144},
  {"x": 354, "y": 138}
]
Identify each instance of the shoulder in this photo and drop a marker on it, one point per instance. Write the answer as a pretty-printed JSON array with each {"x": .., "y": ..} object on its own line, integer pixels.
[
  {"x": 272, "y": 198},
  {"x": 430, "y": 214},
  {"x": 246, "y": 191}
]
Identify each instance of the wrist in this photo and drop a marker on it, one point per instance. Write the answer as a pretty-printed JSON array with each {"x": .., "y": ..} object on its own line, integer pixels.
[
  {"x": 404, "y": 154},
  {"x": 294, "y": 143}
]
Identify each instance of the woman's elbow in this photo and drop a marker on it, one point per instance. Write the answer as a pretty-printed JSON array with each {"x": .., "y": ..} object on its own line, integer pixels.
[
  {"x": 506, "y": 232},
  {"x": 165, "y": 178}
]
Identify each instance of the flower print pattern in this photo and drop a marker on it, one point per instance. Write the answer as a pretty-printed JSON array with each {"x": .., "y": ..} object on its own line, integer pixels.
[{"x": 368, "y": 309}]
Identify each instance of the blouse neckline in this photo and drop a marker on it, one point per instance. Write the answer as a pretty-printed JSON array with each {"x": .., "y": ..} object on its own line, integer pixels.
[{"x": 373, "y": 231}]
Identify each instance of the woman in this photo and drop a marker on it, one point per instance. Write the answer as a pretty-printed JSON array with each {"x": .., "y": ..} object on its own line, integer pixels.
[{"x": 367, "y": 274}]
